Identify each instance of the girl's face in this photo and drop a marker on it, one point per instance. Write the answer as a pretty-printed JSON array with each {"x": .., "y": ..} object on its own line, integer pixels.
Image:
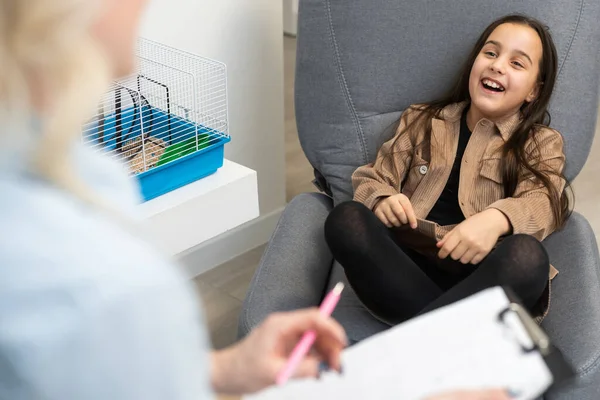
[
  {"x": 505, "y": 73},
  {"x": 116, "y": 31}
]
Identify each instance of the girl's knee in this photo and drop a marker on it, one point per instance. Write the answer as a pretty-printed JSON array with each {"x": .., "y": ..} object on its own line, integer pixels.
[
  {"x": 347, "y": 227},
  {"x": 521, "y": 238},
  {"x": 350, "y": 206},
  {"x": 345, "y": 214},
  {"x": 526, "y": 261},
  {"x": 526, "y": 249}
]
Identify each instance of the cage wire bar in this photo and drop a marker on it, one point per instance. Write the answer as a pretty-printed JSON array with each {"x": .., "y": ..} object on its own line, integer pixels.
[{"x": 172, "y": 107}]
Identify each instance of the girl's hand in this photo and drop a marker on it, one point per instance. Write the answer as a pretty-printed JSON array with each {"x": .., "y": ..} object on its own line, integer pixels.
[
  {"x": 396, "y": 210},
  {"x": 253, "y": 364},
  {"x": 473, "y": 239},
  {"x": 489, "y": 394}
]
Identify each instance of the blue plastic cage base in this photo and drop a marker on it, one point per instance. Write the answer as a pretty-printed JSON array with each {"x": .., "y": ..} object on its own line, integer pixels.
[
  {"x": 182, "y": 171},
  {"x": 172, "y": 130}
]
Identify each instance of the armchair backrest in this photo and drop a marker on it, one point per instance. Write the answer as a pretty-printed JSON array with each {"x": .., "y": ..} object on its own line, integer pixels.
[{"x": 361, "y": 62}]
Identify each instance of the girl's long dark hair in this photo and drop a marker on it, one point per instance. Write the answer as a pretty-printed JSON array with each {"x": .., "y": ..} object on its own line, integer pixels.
[{"x": 534, "y": 116}]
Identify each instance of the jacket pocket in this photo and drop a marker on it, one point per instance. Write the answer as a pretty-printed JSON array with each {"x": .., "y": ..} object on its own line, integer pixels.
[
  {"x": 492, "y": 169},
  {"x": 416, "y": 172},
  {"x": 490, "y": 186}
]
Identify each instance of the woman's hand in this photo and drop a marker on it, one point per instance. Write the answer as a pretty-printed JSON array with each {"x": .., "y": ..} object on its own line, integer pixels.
[
  {"x": 473, "y": 239},
  {"x": 253, "y": 364},
  {"x": 396, "y": 210},
  {"x": 489, "y": 394}
]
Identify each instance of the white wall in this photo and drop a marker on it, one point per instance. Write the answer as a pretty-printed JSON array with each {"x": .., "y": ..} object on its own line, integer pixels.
[
  {"x": 247, "y": 36},
  {"x": 290, "y": 17}
]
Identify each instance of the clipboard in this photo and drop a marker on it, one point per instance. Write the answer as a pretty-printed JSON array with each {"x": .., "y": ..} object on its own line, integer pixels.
[{"x": 485, "y": 341}]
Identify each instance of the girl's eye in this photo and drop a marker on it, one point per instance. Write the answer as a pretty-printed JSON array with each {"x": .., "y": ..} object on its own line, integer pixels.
[
  {"x": 518, "y": 64},
  {"x": 490, "y": 53}
]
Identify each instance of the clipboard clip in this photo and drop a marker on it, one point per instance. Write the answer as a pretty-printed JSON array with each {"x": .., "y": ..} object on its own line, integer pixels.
[
  {"x": 561, "y": 369},
  {"x": 541, "y": 341}
]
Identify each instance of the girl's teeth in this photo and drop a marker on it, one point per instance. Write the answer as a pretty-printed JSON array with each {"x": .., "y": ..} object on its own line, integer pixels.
[{"x": 492, "y": 84}]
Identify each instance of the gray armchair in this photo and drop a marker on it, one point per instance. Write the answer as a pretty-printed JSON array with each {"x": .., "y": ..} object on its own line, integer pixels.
[{"x": 359, "y": 64}]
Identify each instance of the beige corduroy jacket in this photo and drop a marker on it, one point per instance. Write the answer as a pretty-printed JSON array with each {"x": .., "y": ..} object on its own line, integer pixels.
[{"x": 422, "y": 177}]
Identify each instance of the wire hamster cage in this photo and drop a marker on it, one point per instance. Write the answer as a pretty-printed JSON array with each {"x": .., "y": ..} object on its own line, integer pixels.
[{"x": 168, "y": 121}]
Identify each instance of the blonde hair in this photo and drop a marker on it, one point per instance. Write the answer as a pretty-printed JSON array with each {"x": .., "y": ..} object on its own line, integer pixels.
[{"x": 48, "y": 55}]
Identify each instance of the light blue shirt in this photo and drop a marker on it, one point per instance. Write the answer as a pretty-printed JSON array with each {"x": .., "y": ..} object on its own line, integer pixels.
[{"x": 88, "y": 309}]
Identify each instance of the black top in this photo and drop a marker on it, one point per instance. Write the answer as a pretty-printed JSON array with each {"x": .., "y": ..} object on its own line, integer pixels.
[{"x": 446, "y": 210}]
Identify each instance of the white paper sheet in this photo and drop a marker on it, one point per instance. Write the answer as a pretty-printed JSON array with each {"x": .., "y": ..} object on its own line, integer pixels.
[{"x": 462, "y": 346}]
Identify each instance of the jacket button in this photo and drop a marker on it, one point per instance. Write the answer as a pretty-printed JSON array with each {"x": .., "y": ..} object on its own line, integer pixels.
[{"x": 423, "y": 169}]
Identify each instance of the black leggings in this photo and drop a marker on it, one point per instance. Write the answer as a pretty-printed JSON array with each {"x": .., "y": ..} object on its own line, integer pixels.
[{"x": 396, "y": 283}]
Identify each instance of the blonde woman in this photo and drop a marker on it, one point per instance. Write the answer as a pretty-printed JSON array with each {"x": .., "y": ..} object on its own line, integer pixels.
[{"x": 88, "y": 309}]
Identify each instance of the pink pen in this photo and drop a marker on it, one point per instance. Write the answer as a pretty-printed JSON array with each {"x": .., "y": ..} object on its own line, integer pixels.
[{"x": 304, "y": 345}]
